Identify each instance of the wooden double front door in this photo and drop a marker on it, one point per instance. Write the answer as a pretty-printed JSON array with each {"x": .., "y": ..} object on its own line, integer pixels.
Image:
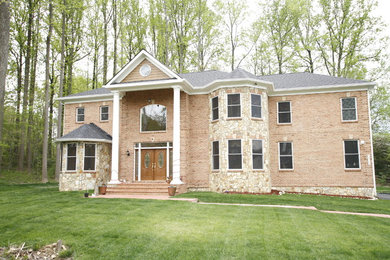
[{"x": 153, "y": 164}]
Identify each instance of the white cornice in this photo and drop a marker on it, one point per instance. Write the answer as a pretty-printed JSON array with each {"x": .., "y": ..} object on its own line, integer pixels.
[{"x": 82, "y": 140}]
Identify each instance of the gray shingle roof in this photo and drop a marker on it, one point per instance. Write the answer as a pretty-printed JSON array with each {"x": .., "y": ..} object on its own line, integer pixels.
[
  {"x": 306, "y": 79},
  {"x": 86, "y": 132},
  {"x": 200, "y": 79},
  {"x": 98, "y": 91}
]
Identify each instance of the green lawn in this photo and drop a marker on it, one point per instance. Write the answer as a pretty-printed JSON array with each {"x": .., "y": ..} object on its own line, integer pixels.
[
  {"x": 146, "y": 229},
  {"x": 383, "y": 189}
]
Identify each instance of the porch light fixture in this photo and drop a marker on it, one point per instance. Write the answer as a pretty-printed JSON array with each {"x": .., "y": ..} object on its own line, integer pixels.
[{"x": 128, "y": 153}]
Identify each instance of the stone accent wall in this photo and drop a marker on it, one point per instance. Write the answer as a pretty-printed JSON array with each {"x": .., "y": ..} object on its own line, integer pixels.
[
  {"x": 317, "y": 133},
  {"x": 80, "y": 180},
  {"x": 246, "y": 129},
  {"x": 340, "y": 191},
  {"x": 91, "y": 115}
]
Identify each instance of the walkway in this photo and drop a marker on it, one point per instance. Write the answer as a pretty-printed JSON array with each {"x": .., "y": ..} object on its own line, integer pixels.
[{"x": 161, "y": 197}]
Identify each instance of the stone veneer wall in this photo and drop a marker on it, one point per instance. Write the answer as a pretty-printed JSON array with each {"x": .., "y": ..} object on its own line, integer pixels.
[
  {"x": 80, "y": 180},
  {"x": 340, "y": 191},
  {"x": 246, "y": 129}
]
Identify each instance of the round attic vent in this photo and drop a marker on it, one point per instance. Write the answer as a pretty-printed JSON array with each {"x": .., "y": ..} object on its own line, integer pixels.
[{"x": 145, "y": 70}]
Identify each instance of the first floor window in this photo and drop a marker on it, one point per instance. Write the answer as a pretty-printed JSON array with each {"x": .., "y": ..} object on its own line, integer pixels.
[
  {"x": 89, "y": 157},
  {"x": 285, "y": 156},
  {"x": 235, "y": 155},
  {"x": 351, "y": 154},
  {"x": 71, "y": 157},
  {"x": 257, "y": 154},
  {"x": 348, "y": 107},
  {"x": 256, "y": 106},
  {"x": 214, "y": 106},
  {"x": 104, "y": 113},
  {"x": 80, "y": 114},
  {"x": 234, "y": 105},
  {"x": 284, "y": 112},
  {"x": 215, "y": 155}
]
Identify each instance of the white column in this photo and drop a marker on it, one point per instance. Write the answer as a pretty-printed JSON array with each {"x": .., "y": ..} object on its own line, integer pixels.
[
  {"x": 115, "y": 140},
  {"x": 176, "y": 136}
]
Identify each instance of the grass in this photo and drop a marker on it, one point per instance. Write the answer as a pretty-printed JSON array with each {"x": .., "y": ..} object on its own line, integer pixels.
[
  {"x": 146, "y": 229},
  {"x": 22, "y": 177},
  {"x": 320, "y": 202},
  {"x": 383, "y": 189}
]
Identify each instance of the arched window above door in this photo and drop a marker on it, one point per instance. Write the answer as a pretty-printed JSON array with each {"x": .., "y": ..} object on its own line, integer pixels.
[{"x": 153, "y": 118}]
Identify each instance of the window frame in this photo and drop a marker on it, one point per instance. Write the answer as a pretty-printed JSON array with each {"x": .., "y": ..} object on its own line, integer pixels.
[
  {"x": 108, "y": 113},
  {"x": 156, "y": 131},
  {"x": 277, "y": 112},
  {"x": 242, "y": 157},
  {"x": 213, "y": 155},
  {"x": 262, "y": 154},
  {"x": 66, "y": 160},
  {"x": 227, "y": 106},
  {"x": 94, "y": 170},
  {"x": 212, "y": 109},
  {"x": 344, "y": 155},
  {"x": 341, "y": 109},
  {"x": 261, "y": 110},
  {"x": 77, "y": 113},
  {"x": 292, "y": 155}
]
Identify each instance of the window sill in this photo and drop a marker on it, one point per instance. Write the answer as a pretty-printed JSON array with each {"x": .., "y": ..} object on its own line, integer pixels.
[
  {"x": 81, "y": 122},
  {"x": 351, "y": 121},
  {"x": 233, "y": 118},
  {"x": 104, "y": 121},
  {"x": 152, "y": 132},
  {"x": 258, "y": 170},
  {"x": 214, "y": 121},
  {"x": 282, "y": 124},
  {"x": 286, "y": 170},
  {"x": 353, "y": 170},
  {"x": 215, "y": 170},
  {"x": 257, "y": 118},
  {"x": 235, "y": 170}
]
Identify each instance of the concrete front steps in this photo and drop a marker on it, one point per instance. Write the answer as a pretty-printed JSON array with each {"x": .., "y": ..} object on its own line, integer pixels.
[{"x": 139, "y": 188}]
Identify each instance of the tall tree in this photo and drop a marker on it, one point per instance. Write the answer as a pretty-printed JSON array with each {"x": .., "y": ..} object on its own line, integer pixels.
[
  {"x": 47, "y": 90},
  {"x": 4, "y": 49}
]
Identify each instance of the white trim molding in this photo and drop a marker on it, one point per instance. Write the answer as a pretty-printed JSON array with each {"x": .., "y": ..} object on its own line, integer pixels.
[
  {"x": 176, "y": 136},
  {"x": 115, "y": 139}
]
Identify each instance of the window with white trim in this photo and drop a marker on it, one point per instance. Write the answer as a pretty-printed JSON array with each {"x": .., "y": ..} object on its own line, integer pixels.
[
  {"x": 80, "y": 114},
  {"x": 89, "y": 157},
  {"x": 256, "y": 105},
  {"x": 104, "y": 113},
  {"x": 235, "y": 154},
  {"x": 234, "y": 105},
  {"x": 257, "y": 154},
  {"x": 215, "y": 155},
  {"x": 71, "y": 152},
  {"x": 351, "y": 154},
  {"x": 348, "y": 109},
  {"x": 153, "y": 118},
  {"x": 214, "y": 108},
  {"x": 284, "y": 112},
  {"x": 286, "y": 161}
]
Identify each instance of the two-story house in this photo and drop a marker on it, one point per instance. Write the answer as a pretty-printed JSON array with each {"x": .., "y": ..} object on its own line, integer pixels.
[{"x": 220, "y": 131}]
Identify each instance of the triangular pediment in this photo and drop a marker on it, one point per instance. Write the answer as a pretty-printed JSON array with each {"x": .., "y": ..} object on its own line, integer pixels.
[{"x": 143, "y": 67}]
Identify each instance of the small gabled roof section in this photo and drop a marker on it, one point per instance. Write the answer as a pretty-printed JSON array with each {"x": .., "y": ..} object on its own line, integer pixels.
[
  {"x": 88, "y": 132},
  {"x": 131, "y": 71}
]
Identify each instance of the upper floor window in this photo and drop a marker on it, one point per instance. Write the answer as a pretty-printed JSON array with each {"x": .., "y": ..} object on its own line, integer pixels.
[
  {"x": 89, "y": 157},
  {"x": 256, "y": 105},
  {"x": 80, "y": 114},
  {"x": 235, "y": 154},
  {"x": 153, "y": 118},
  {"x": 215, "y": 155},
  {"x": 348, "y": 109},
  {"x": 234, "y": 105},
  {"x": 104, "y": 113},
  {"x": 351, "y": 154},
  {"x": 257, "y": 154},
  {"x": 284, "y": 112},
  {"x": 286, "y": 161},
  {"x": 214, "y": 108},
  {"x": 71, "y": 157}
]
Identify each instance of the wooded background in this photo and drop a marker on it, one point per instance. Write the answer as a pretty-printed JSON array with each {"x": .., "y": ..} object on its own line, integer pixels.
[{"x": 52, "y": 48}]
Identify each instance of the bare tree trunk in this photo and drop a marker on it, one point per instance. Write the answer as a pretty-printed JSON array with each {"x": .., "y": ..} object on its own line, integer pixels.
[
  {"x": 47, "y": 86},
  {"x": 105, "y": 54},
  {"x": 19, "y": 88},
  {"x": 59, "y": 121},
  {"x": 4, "y": 49},
  {"x": 114, "y": 24},
  {"x": 25, "y": 88},
  {"x": 32, "y": 96}
]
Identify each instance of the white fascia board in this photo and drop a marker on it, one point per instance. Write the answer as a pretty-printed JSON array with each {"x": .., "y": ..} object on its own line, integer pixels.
[
  {"x": 324, "y": 89},
  {"x": 135, "y": 62},
  {"x": 145, "y": 85},
  {"x": 86, "y": 98},
  {"x": 228, "y": 83},
  {"x": 82, "y": 140}
]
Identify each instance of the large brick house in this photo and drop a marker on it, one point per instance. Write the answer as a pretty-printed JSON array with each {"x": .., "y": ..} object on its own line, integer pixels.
[{"x": 220, "y": 131}]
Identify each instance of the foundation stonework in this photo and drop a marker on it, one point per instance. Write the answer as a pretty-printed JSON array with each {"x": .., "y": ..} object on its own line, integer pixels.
[
  {"x": 340, "y": 191},
  {"x": 246, "y": 129},
  {"x": 81, "y": 180}
]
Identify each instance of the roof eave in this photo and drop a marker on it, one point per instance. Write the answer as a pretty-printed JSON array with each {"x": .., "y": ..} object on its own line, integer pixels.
[
  {"x": 145, "y": 85},
  {"x": 82, "y": 140},
  {"x": 86, "y": 98}
]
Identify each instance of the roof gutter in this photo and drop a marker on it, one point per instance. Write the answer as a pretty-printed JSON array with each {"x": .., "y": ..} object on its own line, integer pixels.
[{"x": 82, "y": 140}]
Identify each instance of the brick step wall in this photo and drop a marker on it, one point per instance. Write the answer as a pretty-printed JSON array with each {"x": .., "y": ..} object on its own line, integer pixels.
[{"x": 139, "y": 188}]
